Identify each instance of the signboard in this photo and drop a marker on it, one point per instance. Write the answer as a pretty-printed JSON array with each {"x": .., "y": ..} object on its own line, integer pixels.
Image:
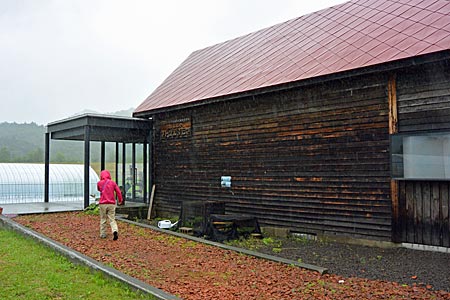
[{"x": 173, "y": 129}]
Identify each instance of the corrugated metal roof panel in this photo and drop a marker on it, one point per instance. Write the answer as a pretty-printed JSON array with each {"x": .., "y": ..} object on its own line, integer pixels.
[{"x": 352, "y": 35}]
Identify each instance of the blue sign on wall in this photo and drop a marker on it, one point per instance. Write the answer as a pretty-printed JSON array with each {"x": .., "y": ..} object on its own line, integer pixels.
[{"x": 225, "y": 181}]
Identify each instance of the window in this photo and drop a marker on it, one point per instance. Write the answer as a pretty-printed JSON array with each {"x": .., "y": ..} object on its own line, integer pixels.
[{"x": 420, "y": 156}]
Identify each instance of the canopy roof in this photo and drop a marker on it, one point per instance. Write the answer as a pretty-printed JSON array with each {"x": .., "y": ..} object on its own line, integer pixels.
[
  {"x": 353, "y": 35},
  {"x": 105, "y": 128},
  {"x": 100, "y": 128}
]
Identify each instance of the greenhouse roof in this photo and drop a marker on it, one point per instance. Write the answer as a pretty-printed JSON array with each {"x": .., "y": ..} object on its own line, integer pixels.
[
  {"x": 106, "y": 128},
  {"x": 24, "y": 183},
  {"x": 24, "y": 173}
]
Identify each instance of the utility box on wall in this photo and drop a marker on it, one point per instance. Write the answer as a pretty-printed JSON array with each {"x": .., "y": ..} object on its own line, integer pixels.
[{"x": 225, "y": 181}]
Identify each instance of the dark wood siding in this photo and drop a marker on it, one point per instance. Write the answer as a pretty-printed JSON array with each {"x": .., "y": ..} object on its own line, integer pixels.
[
  {"x": 313, "y": 159},
  {"x": 424, "y": 98},
  {"x": 425, "y": 212},
  {"x": 424, "y": 106}
]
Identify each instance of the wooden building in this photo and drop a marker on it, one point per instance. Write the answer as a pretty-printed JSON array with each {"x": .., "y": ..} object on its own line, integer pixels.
[{"x": 331, "y": 123}]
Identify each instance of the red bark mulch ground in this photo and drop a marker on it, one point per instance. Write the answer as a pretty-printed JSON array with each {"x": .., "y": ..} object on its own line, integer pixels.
[{"x": 193, "y": 270}]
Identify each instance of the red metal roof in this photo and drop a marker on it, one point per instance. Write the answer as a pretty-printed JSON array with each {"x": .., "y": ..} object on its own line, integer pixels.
[{"x": 352, "y": 35}]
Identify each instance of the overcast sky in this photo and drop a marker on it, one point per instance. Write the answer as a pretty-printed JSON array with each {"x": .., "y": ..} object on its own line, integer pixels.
[{"x": 60, "y": 57}]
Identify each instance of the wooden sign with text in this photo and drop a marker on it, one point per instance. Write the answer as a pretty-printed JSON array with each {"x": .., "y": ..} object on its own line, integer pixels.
[{"x": 179, "y": 128}]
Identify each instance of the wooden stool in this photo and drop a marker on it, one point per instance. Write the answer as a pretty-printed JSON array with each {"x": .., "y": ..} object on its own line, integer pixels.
[
  {"x": 256, "y": 235},
  {"x": 222, "y": 223},
  {"x": 186, "y": 230}
]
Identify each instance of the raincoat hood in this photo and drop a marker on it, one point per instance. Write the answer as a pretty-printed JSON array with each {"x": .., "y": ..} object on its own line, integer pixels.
[{"x": 104, "y": 175}]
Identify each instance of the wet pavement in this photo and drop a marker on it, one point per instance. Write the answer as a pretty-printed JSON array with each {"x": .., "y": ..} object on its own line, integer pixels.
[
  {"x": 40, "y": 207},
  {"x": 49, "y": 207}
]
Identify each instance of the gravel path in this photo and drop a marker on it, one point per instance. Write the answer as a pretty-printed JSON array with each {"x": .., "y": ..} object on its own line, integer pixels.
[
  {"x": 198, "y": 271},
  {"x": 402, "y": 265}
]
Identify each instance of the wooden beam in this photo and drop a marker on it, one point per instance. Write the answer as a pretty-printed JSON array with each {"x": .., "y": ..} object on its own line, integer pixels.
[
  {"x": 392, "y": 98},
  {"x": 150, "y": 205},
  {"x": 393, "y": 128},
  {"x": 396, "y": 228}
]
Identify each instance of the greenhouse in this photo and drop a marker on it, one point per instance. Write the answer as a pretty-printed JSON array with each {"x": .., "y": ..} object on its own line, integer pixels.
[{"x": 24, "y": 183}]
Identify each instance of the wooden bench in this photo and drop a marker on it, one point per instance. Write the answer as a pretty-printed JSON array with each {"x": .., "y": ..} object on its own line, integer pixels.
[{"x": 186, "y": 230}]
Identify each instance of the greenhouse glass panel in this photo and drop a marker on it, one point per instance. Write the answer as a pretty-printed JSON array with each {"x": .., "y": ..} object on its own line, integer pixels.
[{"x": 24, "y": 183}]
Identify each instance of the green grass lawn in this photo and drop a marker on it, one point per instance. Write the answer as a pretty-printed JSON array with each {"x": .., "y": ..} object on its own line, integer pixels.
[{"x": 29, "y": 270}]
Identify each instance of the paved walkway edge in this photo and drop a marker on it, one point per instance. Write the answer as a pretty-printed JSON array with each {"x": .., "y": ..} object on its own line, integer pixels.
[
  {"x": 321, "y": 270},
  {"x": 77, "y": 257}
]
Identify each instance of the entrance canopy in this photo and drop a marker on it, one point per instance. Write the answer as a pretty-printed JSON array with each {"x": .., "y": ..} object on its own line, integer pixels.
[{"x": 101, "y": 128}]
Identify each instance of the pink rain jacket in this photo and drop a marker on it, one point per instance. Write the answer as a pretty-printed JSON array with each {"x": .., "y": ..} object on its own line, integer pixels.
[{"x": 107, "y": 187}]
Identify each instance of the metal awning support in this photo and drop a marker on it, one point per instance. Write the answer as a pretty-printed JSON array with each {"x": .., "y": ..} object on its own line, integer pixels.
[
  {"x": 87, "y": 163},
  {"x": 124, "y": 162},
  {"x": 144, "y": 177},
  {"x": 133, "y": 170},
  {"x": 100, "y": 128},
  {"x": 102, "y": 155},
  {"x": 47, "y": 165},
  {"x": 117, "y": 162}
]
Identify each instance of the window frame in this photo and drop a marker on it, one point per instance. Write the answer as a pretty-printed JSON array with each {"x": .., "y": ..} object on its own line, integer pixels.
[{"x": 397, "y": 156}]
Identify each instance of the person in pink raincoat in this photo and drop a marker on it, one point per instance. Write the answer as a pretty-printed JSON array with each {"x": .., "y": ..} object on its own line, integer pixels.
[{"x": 107, "y": 203}]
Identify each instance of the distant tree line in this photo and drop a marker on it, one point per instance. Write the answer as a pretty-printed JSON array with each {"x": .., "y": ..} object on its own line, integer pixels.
[
  {"x": 33, "y": 156},
  {"x": 21, "y": 142}
]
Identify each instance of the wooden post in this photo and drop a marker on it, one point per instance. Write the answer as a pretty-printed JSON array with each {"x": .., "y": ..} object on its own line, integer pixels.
[
  {"x": 149, "y": 213},
  {"x": 392, "y": 98},
  {"x": 393, "y": 128}
]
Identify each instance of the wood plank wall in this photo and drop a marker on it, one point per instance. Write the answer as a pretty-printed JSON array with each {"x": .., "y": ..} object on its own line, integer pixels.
[
  {"x": 424, "y": 98},
  {"x": 424, "y": 106},
  {"x": 425, "y": 212},
  {"x": 314, "y": 159}
]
